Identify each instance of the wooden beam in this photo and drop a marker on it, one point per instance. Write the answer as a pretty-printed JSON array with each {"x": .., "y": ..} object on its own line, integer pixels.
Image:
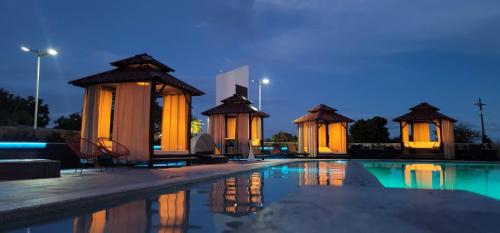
[{"x": 151, "y": 123}]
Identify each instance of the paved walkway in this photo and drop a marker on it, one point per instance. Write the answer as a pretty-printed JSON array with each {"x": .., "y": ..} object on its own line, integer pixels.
[{"x": 19, "y": 199}]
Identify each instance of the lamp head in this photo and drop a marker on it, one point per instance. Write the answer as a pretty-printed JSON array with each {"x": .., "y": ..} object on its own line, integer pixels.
[
  {"x": 25, "y": 49},
  {"x": 265, "y": 81},
  {"x": 52, "y": 51}
]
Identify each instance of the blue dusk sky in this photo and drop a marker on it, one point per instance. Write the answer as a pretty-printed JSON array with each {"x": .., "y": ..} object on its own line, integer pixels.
[{"x": 363, "y": 57}]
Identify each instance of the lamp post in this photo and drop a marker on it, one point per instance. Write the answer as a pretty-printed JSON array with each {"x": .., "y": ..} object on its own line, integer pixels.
[
  {"x": 38, "y": 54},
  {"x": 261, "y": 82}
]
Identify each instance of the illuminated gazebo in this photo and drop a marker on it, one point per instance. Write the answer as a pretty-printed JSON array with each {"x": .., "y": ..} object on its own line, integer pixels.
[
  {"x": 323, "y": 132},
  {"x": 118, "y": 104},
  {"x": 234, "y": 124},
  {"x": 425, "y": 131}
]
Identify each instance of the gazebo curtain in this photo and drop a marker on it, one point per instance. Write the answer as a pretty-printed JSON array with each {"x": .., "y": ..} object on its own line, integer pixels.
[
  {"x": 448, "y": 139},
  {"x": 231, "y": 127},
  {"x": 338, "y": 138},
  {"x": 217, "y": 129},
  {"x": 421, "y": 132},
  {"x": 96, "y": 116},
  {"x": 174, "y": 130},
  {"x": 131, "y": 118},
  {"x": 256, "y": 130},
  {"x": 242, "y": 132},
  {"x": 173, "y": 212},
  {"x": 332, "y": 138},
  {"x": 309, "y": 133}
]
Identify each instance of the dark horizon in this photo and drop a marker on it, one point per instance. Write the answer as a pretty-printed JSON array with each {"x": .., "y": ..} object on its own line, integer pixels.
[{"x": 363, "y": 58}]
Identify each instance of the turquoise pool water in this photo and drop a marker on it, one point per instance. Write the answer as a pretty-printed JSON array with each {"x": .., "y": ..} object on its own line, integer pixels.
[
  {"x": 478, "y": 178},
  {"x": 220, "y": 205}
]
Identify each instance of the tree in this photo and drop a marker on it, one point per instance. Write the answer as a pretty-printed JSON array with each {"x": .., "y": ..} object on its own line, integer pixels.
[
  {"x": 465, "y": 134},
  {"x": 371, "y": 130},
  {"x": 284, "y": 137},
  {"x": 196, "y": 126},
  {"x": 16, "y": 110},
  {"x": 72, "y": 122}
]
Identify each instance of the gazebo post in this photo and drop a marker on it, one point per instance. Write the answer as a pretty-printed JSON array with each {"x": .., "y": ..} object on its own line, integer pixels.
[
  {"x": 317, "y": 138},
  {"x": 188, "y": 131},
  {"x": 151, "y": 123},
  {"x": 346, "y": 138},
  {"x": 441, "y": 145},
  {"x": 327, "y": 134},
  {"x": 401, "y": 144},
  {"x": 261, "y": 133}
]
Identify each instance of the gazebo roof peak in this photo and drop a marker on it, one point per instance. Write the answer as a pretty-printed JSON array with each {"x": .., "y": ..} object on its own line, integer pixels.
[
  {"x": 423, "y": 112},
  {"x": 323, "y": 107},
  {"x": 235, "y": 104},
  {"x": 424, "y": 106},
  {"x": 235, "y": 98},
  {"x": 141, "y": 59},
  {"x": 323, "y": 113}
]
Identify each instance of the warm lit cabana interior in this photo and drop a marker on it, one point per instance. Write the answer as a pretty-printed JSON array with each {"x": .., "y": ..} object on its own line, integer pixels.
[
  {"x": 234, "y": 124},
  {"x": 118, "y": 104},
  {"x": 427, "y": 132},
  {"x": 323, "y": 132}
]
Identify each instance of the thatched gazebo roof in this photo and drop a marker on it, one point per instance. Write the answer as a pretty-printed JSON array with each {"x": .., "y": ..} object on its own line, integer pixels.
[
  {"x": 235, "y": 104},
  {"x": 423, "y": 112},
  {"x": 323, "y": 113},
  {"x": 138, "y": 68}
]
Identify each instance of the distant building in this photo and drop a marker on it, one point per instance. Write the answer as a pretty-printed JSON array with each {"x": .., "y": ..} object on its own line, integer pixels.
[{"x": 232, "y": 82}]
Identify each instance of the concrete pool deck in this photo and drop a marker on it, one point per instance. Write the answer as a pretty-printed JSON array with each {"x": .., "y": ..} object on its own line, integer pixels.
[
  {"x": 22, "y": 199},
  {"x": 362, "y": 204}
]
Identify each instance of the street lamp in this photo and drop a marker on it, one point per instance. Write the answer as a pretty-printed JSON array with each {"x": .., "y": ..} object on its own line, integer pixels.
[
  {"x": 261, "y": 82},
  {"x": 38, "y": 54}
]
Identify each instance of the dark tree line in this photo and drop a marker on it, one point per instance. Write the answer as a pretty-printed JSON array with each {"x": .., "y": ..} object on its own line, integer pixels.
[{"x": 16, "y": 110}]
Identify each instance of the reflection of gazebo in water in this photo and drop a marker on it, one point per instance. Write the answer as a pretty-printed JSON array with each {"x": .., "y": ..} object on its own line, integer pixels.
[
  {"x": 127, "y": 218},
  {"x": 167, "y": 214},
  {"x": 323, "y": 174},
  {"x": 429, "y": 176},
  {"x": 234, "y": 123},
  {"x": 118, "y": 104},
  {"x": 237, "y": 196},
  {"x": 427, "y": 132},
  {"x": 323, "y": 131}
]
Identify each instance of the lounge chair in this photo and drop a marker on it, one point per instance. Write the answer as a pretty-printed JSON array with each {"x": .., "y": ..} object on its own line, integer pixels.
[
  {"x": 91, "y": 155},
  {"x": 114, "y": 149},
  {"x": 293, "y": 152}
]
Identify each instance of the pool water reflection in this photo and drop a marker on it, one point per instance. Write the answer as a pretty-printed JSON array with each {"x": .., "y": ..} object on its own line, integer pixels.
[
  {"x": 482, "y": 179},
  {"x": 217, "y": 206}
]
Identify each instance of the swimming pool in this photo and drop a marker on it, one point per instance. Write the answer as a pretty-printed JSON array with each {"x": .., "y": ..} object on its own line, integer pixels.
[
  {"x": 478, "y": 178},
  {"x": 220, "y": 205}
]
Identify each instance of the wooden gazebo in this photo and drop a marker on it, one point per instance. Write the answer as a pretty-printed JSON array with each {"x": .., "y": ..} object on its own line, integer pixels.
[
  {"x": 235, "y": 123},
  {"x": 118, "y": 104},
  {"x": 427, "y": 132},
  {"x": 323, "y": 131}
]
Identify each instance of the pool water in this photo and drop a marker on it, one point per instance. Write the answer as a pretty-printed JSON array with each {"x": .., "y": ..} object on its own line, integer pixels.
[
  {"x": 478, "y": 178},
  {"x": 217, "y": 206}
]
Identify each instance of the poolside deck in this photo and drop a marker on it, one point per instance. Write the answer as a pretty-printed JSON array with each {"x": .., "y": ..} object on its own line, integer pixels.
[
  {"x": 361, "y": 205},
  {"x": 72, "y": 191}
]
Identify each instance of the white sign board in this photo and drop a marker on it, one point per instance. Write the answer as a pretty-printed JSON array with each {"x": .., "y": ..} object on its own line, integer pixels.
[{"x": 226, "y": 82}]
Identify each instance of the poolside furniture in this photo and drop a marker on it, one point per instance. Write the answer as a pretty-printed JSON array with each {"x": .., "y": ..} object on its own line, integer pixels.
[
  {"x": 121, "y": 101},
  {"x": 323, "y": 132},
  {"x": 87, "y": 151},
  {"x": 235, "y": 123},
  {"x": 427, "y": 133},
  {"x": 16, "y": 169},
  {"x": 114, "y": 149},
  {"x": 293, "y": 152}
]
